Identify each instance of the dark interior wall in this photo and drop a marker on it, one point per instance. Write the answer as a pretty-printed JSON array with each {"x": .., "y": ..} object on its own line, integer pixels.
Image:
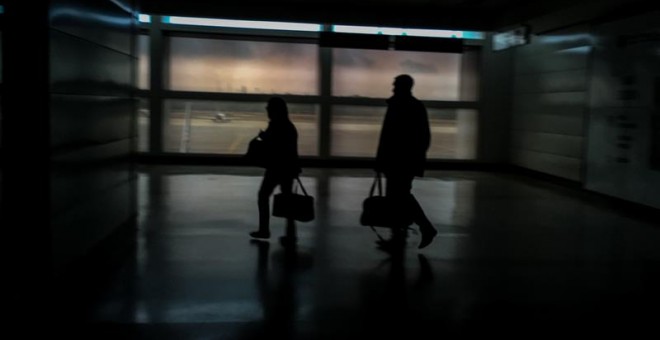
[
  {"x": 625, "y": 99},
  {"x": 67, "y": 137},
  {"x": 550, "y": 101},
  {"x": 552, "y": 81},
  {"x": 586, "y": 99},
  {"x": 25, "y": 149},
  {"x": 495, "y": 99},
  {"x": 92, "y": 134}
]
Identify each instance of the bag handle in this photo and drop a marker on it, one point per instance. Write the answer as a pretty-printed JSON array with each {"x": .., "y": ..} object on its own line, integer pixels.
[
  {"x": 377, "y": 181},
  {"x": 301, "y": 186}
]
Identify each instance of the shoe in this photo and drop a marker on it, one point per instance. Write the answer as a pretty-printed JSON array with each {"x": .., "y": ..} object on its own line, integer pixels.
[
  {"x": 427, "y": 237},
  {"x": 260, "y": 234}
]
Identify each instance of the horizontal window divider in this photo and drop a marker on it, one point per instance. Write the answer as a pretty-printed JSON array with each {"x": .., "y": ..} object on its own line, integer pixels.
[
  {"x": 142, "y": 93},
  {"x": 234, "y": 33},
  {"x": 452, "y": 105}
]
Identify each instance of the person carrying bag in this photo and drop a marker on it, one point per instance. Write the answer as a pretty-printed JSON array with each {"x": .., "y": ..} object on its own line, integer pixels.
[
  {"x": 276, "y": 150},
  {"x": 405, "y": 137},
  {"x": 379, "y": 210},
  {"x": 375, "y": 208}
]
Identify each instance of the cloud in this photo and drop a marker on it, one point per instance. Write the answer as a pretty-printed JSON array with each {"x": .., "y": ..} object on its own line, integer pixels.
[
  {"x": 236, "y": 50},
  {"x": 352, "y": 59},
  {"x": 417, "y": 67}
]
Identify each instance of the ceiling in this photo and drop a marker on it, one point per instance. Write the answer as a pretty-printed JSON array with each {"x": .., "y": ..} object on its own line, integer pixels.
[{"x": 484, "y": 15}]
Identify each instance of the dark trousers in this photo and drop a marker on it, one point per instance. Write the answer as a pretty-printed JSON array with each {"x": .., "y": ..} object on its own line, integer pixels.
[
  {"x": 398, "y": 190},
  {"x": 271, "y": 180}
]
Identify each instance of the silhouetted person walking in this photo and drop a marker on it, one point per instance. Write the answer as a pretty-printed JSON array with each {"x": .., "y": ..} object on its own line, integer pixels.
[
  {"x": 404, "y": 140},
  {"x": 281, "y": 143}
]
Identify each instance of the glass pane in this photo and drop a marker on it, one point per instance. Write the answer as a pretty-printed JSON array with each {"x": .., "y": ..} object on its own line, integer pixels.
[
  {"x": 370, "y": 73},
  {"x": 227, "y": 127},
  {"x": 143, "y": 62},
  {"x": 243, "y": 66},
  {"x": 143, "y": 125},
  {"x": 356, "y": 130},
  {"x": 453, "y": 134}
]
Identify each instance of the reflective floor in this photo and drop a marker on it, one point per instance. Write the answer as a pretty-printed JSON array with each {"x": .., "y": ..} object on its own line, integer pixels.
[{"x": 514, "y": 256}]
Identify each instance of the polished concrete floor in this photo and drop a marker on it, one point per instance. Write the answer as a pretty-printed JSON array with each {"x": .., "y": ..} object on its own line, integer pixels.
[{"x": 515, "y": 256}]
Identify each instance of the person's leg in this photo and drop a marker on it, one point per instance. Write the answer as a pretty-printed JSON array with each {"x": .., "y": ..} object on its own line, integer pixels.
[
  {"x": 268, "y": 184},
  {"x": 286, "y": 185},
  {"x": 397, "y": 190},
  {"x": 419, "y": 217}
]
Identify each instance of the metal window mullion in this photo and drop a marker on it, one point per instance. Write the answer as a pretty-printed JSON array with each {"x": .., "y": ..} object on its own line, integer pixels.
[
  {"x": 325, "y": 118},
  {"x": 157, "y": 62}
]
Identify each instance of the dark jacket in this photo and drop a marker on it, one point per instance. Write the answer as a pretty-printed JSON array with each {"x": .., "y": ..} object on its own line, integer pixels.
[
  {"x": 404, "y": 138},
  {"x": 281, "y": 140}
]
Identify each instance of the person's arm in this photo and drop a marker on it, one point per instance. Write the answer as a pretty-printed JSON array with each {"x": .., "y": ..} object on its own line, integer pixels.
[{"x": 265, "y": 134}]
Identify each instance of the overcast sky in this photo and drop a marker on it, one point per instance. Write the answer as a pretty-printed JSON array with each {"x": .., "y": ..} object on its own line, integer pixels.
[{"x": 267, "y": 67}]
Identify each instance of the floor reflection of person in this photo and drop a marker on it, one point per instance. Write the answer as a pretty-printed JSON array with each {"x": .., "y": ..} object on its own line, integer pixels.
[{"x": 277, "y": 278}]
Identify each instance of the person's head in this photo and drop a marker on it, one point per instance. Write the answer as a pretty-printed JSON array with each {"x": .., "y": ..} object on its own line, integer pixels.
[
  {"x": 403, "y": 84},
  {"x": 277, "y": 109}
]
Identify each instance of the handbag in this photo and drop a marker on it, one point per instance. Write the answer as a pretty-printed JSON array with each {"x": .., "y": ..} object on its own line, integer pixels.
[
  {"x": 256, "y": 152},
  {"x": 299, "y": 207},
  {"x": 381, "y": 211},
  {"x": 375, "y": 207}
]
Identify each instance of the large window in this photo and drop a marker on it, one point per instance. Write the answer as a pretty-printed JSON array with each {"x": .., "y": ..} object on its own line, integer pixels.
[
  {"x": 228, "y": 127},
  {"x": 369, "y": 73},
  {"x": 235, "y": 66},
  {"x": 217, "y": 76}
]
